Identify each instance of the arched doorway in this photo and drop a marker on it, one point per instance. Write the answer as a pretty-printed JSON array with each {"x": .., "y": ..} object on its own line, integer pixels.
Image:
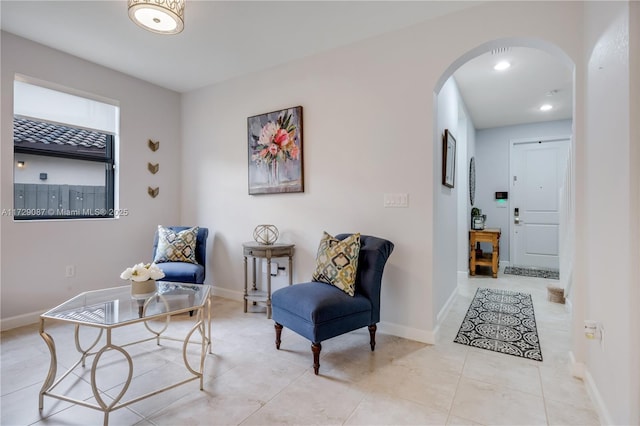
[{"x": 452, "y": 205}]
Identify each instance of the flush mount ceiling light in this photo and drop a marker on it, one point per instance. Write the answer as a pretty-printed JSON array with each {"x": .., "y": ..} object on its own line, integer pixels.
[
  {"x": 502, "y": 65},
  {"x": 158, "y": 16},
  {"x": 546, "y": 107}
]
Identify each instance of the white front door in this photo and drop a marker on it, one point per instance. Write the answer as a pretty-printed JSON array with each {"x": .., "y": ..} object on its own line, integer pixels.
[{"x": 537, "y": 172}]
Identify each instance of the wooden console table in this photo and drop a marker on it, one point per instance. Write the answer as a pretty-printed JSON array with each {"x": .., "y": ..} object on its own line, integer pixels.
[{"x": 489, "y": 235}]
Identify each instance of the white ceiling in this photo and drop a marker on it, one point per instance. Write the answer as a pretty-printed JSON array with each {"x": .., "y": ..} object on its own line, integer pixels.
[
  {"x": 226, "y": 39},
  {"x": 514, "y": 96}
]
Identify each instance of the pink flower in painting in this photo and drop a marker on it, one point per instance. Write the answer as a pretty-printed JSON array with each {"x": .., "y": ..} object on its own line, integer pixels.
[
  {"x": 277, "y": 141},
  {"x": 268, "y": 132},
  {"x": 281, "y": 137},
  {"x": 295, "y": 152}
]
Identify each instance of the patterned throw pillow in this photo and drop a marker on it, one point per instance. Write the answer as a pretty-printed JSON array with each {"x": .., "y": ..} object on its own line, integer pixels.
[
  {"x": 337, "y": 262},
  {"x": 176, "y": 246}
]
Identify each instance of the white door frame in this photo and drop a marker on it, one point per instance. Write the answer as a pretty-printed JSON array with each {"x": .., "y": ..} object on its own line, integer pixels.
[{"x": 512, "y": 144}]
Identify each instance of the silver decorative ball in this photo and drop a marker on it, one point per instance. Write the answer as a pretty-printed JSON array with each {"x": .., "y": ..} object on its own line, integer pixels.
[{"x": 266, "y": 234}]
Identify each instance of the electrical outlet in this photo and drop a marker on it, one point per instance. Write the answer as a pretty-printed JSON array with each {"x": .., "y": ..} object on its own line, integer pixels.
[{"x": 70, "y": 271}]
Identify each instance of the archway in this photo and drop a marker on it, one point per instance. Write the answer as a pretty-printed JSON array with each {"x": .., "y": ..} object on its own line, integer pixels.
[{"x": 451, "y": 206}]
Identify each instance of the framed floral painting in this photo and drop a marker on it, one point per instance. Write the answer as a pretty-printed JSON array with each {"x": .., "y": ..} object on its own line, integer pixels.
[{"x": 275, "y": 152}]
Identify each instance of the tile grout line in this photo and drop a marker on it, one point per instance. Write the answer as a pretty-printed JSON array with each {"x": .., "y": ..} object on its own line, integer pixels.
[
  {"x": 455, "y": 393},
  {"x": 544, "y": 398}
]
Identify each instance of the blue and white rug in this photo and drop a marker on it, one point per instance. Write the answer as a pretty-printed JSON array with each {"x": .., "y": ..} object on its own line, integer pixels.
[{"x": 501, "y": 321}]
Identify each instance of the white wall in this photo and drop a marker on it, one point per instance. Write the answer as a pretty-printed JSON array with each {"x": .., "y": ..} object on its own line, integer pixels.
[
  {"x": 99, "y": 249},
  {"x": 368, "y": 130},
  {"x": 451, "y": 228},
  {"x": 608, "y": 204},
  {"x": 467, "y": 134},
  {"x": 492, "y": 169},
  {"x": 60, "y": 171}
]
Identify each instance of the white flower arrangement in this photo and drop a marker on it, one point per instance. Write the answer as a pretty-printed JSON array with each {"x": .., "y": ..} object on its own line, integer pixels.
[{"x": 142, "y": 272}]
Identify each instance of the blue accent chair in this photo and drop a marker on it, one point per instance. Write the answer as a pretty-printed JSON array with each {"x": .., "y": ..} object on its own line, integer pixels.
[
  {"x": 184, "y": 272},
  {"x": 320, "y": 311}
]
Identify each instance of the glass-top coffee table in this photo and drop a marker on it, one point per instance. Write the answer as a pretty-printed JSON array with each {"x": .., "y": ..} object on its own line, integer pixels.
[{"x": 112, "y": 308}]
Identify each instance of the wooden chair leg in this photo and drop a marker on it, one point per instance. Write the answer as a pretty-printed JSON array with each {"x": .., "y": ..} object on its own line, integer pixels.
[
  {"x": 372, "y": 335},
  {"x": 316, "y": 348},
  {"x": 278, "y": 334}
]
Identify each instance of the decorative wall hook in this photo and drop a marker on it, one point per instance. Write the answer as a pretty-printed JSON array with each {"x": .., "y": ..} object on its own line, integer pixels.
[
  {"x": 153, "y": 192},
  {"x": 153, "y": 168},
  {"x": 153, "y": 146}
]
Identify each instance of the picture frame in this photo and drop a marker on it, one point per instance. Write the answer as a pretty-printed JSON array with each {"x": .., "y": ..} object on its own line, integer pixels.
[
  {"x": 274, "y": 142},
  {"x": 448, "y": 159}
]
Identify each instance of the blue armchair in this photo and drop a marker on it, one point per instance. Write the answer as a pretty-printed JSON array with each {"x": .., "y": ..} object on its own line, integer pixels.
[
  {"x": 182, "y": 271},
  {"x": 319, "y": 311}
]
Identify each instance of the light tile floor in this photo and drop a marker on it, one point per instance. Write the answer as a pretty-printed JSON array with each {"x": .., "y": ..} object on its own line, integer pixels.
[{"x": 249, "y": 382}]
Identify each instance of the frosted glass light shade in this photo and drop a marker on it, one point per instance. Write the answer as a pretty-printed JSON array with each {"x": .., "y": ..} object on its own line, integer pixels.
[{"x": 158, "y": 16}]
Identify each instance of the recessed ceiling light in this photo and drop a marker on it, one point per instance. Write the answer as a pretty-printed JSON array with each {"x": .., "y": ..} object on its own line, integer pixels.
[
  {"x": 546, "y": 107},
  {"x": 502, "y": 65}
]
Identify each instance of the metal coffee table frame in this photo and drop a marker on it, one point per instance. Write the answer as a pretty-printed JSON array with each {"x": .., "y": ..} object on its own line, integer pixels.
[{"x": 95, "y": 316}]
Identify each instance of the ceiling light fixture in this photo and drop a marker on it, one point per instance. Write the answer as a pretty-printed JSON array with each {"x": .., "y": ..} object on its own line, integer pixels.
[
  {"x": 500, "y": 50},
  {"x": 546, "y": 107},
  {"x": 158, "y": 16},
  {"x": 502, "y": 65}
]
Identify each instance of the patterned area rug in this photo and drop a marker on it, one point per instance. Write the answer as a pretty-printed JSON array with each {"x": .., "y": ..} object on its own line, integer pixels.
[
  {"x": 532, "y": 271},
  {"x": 501, "y": 321}
]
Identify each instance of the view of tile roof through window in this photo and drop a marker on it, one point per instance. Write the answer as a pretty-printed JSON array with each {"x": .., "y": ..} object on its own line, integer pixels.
[{"x": 25, "y": 130}]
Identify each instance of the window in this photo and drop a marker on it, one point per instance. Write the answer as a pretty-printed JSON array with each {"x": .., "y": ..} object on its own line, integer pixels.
[{"x": 64, "y": 155}]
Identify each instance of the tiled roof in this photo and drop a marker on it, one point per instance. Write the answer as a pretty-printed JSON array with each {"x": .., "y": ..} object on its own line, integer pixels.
[{"x": 26, "y": 130}]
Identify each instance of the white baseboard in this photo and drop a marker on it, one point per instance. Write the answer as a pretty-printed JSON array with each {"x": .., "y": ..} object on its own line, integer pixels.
[
  {"x": 463, "y": 275},
  {"x": 596, "y": 398},
  {"x": 576, "y": 368},
  {"x": 20, "y": 320},
  {"x": 34, "y": 317},
  {"x": 568, "y": 306},
  {"x": 424, "y": 336},
  {"x": 447, "y": 306},
  {"x": 228, "y": 294},
  {"x": 579, "y": 370}
]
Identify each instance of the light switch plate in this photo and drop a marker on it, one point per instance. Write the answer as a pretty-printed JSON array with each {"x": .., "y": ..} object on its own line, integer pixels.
[{"x": 396, "y": 200}]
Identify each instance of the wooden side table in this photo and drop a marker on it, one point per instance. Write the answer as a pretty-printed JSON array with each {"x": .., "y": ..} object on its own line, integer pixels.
[
  {"x": 489, "y": 235},
  {"x": 264, "y": 251}
]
